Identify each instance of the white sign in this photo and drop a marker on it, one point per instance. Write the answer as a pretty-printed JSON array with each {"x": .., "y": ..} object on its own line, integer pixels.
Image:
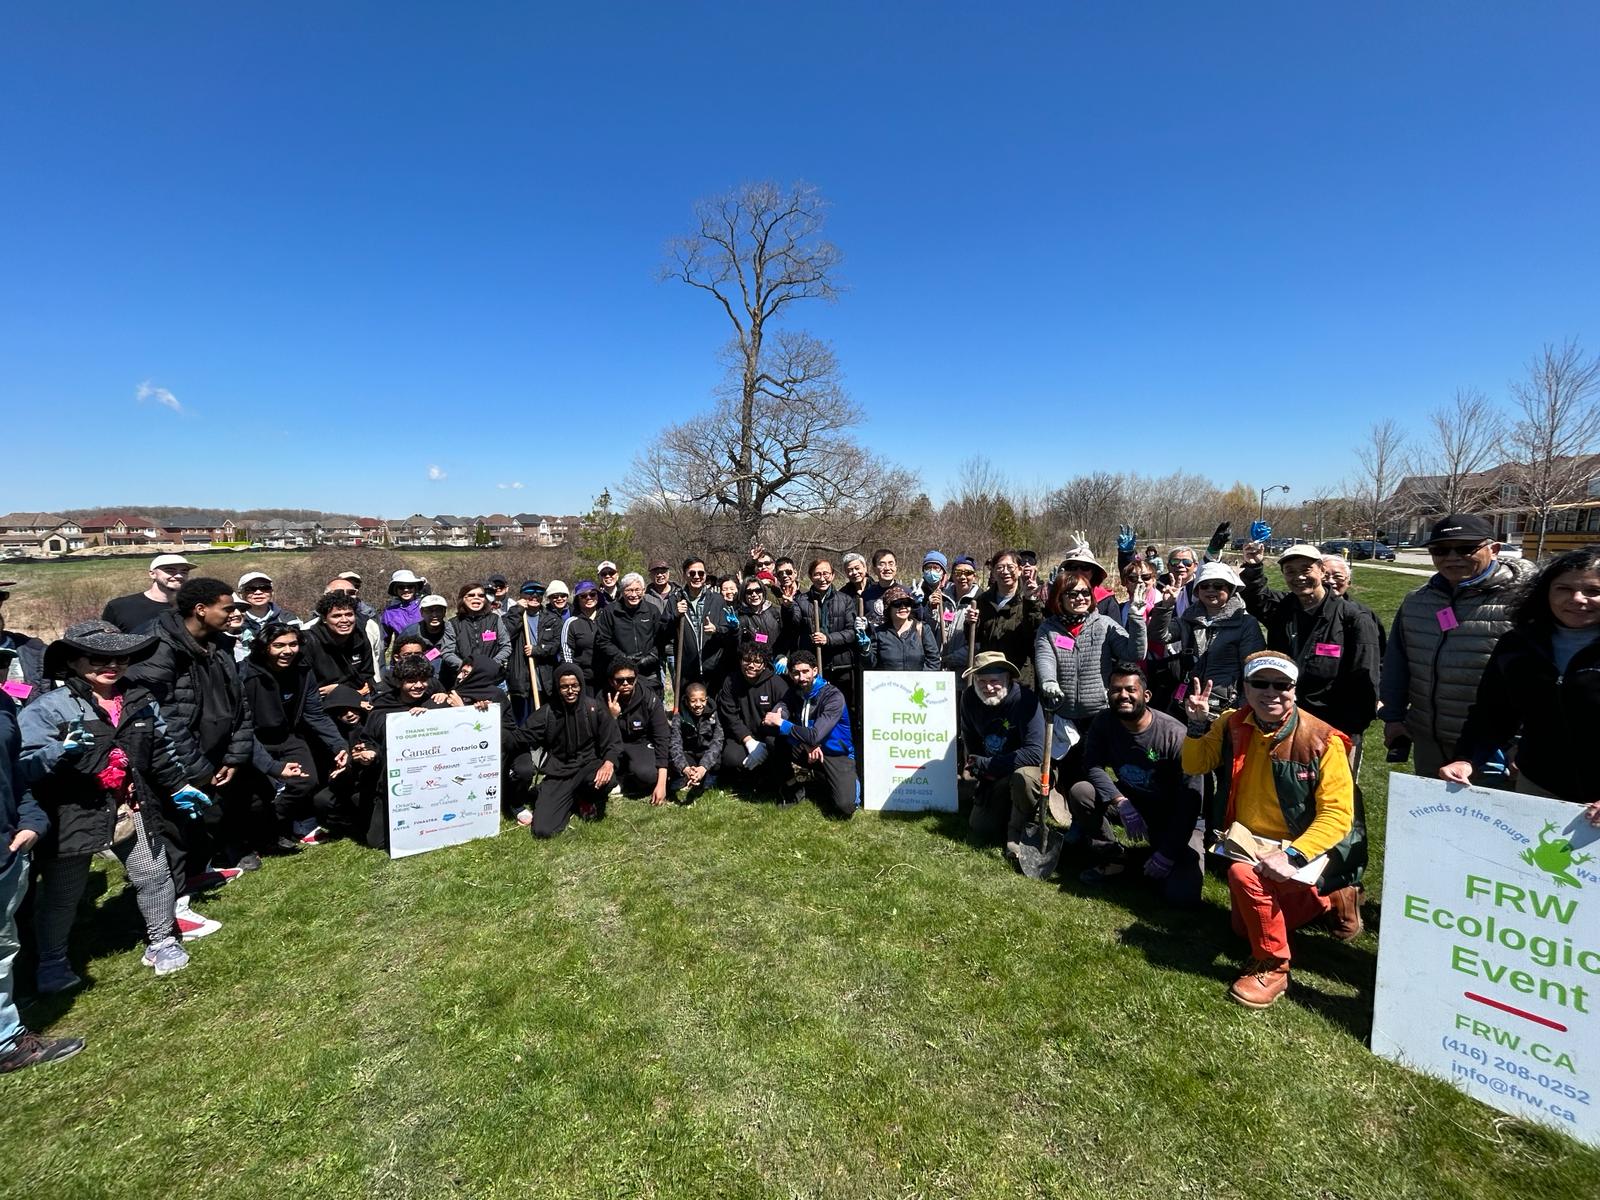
[
  {"x": 1489, "y": 960},
  {"x": 444, "y": 778},
  {"x": 909, "y": 727}
]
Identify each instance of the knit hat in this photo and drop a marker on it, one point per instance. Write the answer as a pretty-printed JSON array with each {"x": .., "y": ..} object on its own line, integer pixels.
[
  {"x": 557, "y": 588},
  {"x": 938, "y": 559}
]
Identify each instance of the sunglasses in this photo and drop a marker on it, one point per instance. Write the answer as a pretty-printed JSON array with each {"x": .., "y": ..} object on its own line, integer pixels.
[
  {"x": 754, "y": 591},
  {"x": 1271, "y": 685},
  {"x": 1456, "y": 550},
  {"x": 106, "y": 660},
  {"x": 1078, "y": 592},
  {"x": 474, "y": 596},
  {"x": 619, "y": 680},
  {"x": 257, "y": 587},
  {"x": 1210, "y": 585},
  {"x": 787, "y": 574},
  {"x": 1181, "y": 562},
  {"x": 695, "y": 574},
  {"x": 1143, "y": 578}
]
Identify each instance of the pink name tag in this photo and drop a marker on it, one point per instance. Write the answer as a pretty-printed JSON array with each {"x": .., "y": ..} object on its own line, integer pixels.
[
  {"x": 1062, "y": 641},
  {"x": 1329, "y": 649},
  {"x": 950, "y": 616},
  {"x": 761, "y": 637},
  {"x": 1179, "y": 692},
  {"x": 16, "y": 689},
  {"x": 432, "y": 654},
  {"x": 1447, "y": 618},
  {"x": 489, "y": 635}
]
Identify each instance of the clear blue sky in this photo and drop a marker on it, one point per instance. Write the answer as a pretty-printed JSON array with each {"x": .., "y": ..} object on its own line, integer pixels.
[{"x": 356, "y": 241}]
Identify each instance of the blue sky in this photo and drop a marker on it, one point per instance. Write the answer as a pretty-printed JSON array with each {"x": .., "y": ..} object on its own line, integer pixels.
[{"x": 355, "y": 241}]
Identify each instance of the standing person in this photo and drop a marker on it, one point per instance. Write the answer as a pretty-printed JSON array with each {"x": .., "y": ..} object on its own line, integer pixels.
[
  {"x": 605, "y": 574},
  {"x": 335, "y": 649},
  {"x": 662, "y": 591},
  {"x": 935, "y": 605},
  {"x": 825, "y": 622},
  {"x": 1214, "y": 636},
  {"x": 92, "y": 744},
  {"x": 760, "y": 621},
  {"x": 885, "y": 571},
  {"x": 366, "y": 619},
  {"x": 535, "y": 646},
  {"x": 1287, "y": 777},
  {"x": 298, "y": 747},
  {"x": 787, "y": 576},
  {"x": 21, "y": 656},
  {"x": 904, "y": 642},
  {"x": 432, "y": 623},
  {"x": 260, "y": 609},
  {"x": 1008, "y": 619},
  {"x": 1332, "y": 641},
  {"x": 578, "y": 634},
  {"x": 1539, "y": 698},
  {"x": 646, "y": 736},
  {"x": 964, "y": 595},
  {"x": 1443, "y": 635},
  {"x": 630, "y": 632},
  {"x": 499, "y": 593},
  {"x": 747, "y": 696},
  {"x": 1336, "y": 578},
  {"x": 208, "y": 719},
  {"x": 1028, "y": 575},
  {"x": 815, "y": 718},
  {"x": 709, "y": 629},
  {"x": 856, "y": 582},
  {"x": 364, "y": 611},
  {"x": 138, "y": 612},
  {"x": 403, "y": 609},
  {"x": 475, "y": 629},
  {"x": 1152, "y": 797},
  {"x": 581, "y": 748},
  {"x": 22, "y": 823}
]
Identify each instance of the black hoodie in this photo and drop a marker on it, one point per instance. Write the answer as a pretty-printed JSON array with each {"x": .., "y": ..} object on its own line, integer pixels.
[
  {"x": 742, "y": 703},
  {"x": 576, "y": 738},
  {"x": 644, "y": 720}
]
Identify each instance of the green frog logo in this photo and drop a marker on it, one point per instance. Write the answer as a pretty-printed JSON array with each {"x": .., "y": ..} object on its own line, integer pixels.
[
  {"x": 919, "y": 696},
  {"x": 1554, "y": 856}
]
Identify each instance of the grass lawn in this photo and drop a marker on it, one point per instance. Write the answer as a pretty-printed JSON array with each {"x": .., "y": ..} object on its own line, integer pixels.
[{"x": 734, "y": 1000}]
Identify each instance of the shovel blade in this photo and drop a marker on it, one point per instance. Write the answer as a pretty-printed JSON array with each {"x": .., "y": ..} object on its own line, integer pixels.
[{"x": 1038, "y": 853}]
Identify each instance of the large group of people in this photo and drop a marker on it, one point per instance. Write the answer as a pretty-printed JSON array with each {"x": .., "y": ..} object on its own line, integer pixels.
[{"x": 198, "y": 727}]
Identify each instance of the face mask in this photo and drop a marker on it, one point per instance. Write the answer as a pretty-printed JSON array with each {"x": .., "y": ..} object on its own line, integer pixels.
[{"x": 931, "y": 578}]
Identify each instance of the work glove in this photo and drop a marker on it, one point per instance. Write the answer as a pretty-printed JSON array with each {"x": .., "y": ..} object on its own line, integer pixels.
[
  {"x": 649, "y": 664},
  {"x": 1260, "y": 531},
  {"x": 1051, "y": 691},
  {"x": 862, "y": 627},
  {"x": 191, "y": 800},
  {"x": 78, "y": 740},
  {"x": 1219, "y": 539},
  {"x": 1158, "y": 866},
  {"x": 1131, "y": 820},
  {"x": 757, "y": 756},
  {"x": 1125, "y": 539},
  {"x": 781, "y": 664},
  {"x": 730, "y": 618}
]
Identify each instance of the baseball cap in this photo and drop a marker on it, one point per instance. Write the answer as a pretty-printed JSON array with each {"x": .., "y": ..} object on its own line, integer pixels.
[
  {"x": 1461, "y": 527},
  {"x": 434, "y": 601},
  {"x": 353, "y": 576},
  {"x": 532, "y": 587},
  {"x": 497, "y": 580},
  {"x": 249, "y": 575},
  {"x": 605, "y": 565},
  {"x": 661, "y": 564},
  {"x": 1301, "y": 550},
  {"x": 169, "y": 560}
]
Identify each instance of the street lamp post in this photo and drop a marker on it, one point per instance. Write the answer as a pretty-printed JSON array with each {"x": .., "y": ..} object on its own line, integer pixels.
[{"x": 1277, "y": 487}]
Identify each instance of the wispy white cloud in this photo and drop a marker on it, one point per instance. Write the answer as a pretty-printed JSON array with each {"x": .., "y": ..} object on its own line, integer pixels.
[
  {"x": 159, "y": 395},
  {"x": 516, "y": 487},
  {"x": 435, "y": 473}
]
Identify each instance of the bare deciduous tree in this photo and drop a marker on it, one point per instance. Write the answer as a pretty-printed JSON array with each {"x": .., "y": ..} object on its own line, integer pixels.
[
  {"x": 1468, "y": 438},
  {"x": 1559, "y": 430},
  {"x": 1380, "y": 458}
]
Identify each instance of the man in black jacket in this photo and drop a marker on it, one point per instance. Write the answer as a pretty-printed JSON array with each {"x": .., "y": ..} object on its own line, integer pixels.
[
  {"x": 646, "y": 738},
  {"x": 630, "y": 632},
  {"x": 1334, "y": 641},
  {"x": 581, "y": 749},
  {"x": 825, "y": 622},
  {"x": 706, "y": 631},
  {"x": 208, "y": 718}
]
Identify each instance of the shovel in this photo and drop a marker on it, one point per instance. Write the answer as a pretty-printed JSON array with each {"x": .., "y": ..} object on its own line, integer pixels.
[{"x": 1039, "y": 850}]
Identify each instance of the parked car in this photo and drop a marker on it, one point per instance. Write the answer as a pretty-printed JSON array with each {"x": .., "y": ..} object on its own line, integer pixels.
[
  {"x": 1340, "y": 546},
  {"x": 1377, "y": 551}
]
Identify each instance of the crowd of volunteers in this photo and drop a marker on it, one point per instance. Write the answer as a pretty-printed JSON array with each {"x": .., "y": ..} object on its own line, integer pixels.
[{"x": 198, "y": 727}]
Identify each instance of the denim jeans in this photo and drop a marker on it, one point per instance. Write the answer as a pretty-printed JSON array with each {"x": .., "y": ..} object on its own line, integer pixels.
[{"x": 13, "y": 887}]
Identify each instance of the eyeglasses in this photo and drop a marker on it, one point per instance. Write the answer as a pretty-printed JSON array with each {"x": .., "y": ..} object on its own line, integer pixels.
[
  {"x": 1272, "y": 685},
  {"x": 1456, "y": 550},
  {"x": 1142, "y": 578}
]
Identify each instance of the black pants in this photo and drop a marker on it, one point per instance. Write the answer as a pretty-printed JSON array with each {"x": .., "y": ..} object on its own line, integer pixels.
[
  {"x": 637, "y": 770},
  {"x": 832, "y": 783},
  {"x": 558, "y": 798},
  {"x": 193, "y": 840},
  {"x": 764, "y": 778}
]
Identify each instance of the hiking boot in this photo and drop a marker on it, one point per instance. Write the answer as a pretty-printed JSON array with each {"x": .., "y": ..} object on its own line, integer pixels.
[
  {"x": 54, "y": 976},
  {"x": 31, "y": 1050},
  {"x": 1344, "y": 917},
  {"x": 1263, "y": 981},
  {"x": 1104, "y": 873},
  {"x": 167, "y": 956}
]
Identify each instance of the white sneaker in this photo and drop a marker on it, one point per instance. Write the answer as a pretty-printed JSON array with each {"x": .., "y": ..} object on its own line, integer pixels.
[
  {"x": 167, "y": 956},
  {"x": 192, "y": 925}
]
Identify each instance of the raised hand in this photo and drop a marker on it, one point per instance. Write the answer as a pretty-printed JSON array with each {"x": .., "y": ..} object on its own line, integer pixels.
[
  {"x": 1125, "y": 539},
  {"x": 613, "y": 704},
  {"x": 1253, "y": 552},
  {"x": 1197, "y": 703}
]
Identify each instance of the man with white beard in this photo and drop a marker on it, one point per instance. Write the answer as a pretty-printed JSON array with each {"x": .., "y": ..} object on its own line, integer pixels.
[{"x": 1003, "y": 727}]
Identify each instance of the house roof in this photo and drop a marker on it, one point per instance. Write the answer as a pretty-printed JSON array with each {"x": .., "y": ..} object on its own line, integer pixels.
[
  {"x": 369, "y": 523},
  {"x": 131, "y": 520},
  {"x": 196, "y": 521},
  {"x": 29, "y": 520}
]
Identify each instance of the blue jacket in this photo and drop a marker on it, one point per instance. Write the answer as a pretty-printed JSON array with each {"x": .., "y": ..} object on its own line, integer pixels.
[
  {"x": 823, "y": 719},
  {"x": 17, "y": 807}
]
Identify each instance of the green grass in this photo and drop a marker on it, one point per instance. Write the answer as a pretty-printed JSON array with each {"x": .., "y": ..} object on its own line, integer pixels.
[{"x": 733, "y": 1000}]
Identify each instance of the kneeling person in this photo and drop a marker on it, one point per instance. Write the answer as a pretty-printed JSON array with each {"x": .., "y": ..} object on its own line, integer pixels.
[
  {"x": 1151, "y": 796},
  {"x": 646, "y": 738},
  {"x": 696, "y": 745},
  {"x": 581, "y": 749},
  {"x": 814, "y": 717},
  {"x": 743, "y": 704},
  {"x": 1288, "y": 779},
  {"x": 1003, "y": 725}
]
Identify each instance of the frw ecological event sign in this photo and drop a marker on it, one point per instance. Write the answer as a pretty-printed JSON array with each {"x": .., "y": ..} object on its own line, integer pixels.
[
  {"x": 1489, "y": 959},
  {"x": 908, "y": 725},
  {"x": 443, "y": 778}
]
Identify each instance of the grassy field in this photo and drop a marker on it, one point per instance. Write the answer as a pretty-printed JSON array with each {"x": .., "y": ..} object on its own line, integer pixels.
[{"x": 735, "y": 1000}]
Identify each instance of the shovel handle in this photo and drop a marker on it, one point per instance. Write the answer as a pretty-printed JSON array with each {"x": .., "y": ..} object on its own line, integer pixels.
[{"x": 1044, "y": 769}]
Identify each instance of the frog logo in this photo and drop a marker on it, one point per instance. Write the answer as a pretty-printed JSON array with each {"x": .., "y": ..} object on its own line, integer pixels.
[
  {"x": 1554, "y": 857},
  {"x": 919, "y": 696}
]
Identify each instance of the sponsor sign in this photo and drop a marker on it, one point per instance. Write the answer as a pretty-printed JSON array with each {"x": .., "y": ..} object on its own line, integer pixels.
[{"x": 438, "y": 764}]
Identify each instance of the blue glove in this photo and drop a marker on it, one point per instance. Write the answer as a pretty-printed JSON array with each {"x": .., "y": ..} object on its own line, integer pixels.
[
  {"x": 78, "y": 740},
  {"x": 191, "y": 800},
  {"x": 730, "y": 618},
  {"x": 780, "y": 665},
  {"x": 1260, "y": 531},
  {"x": 1125, "y": 538}
]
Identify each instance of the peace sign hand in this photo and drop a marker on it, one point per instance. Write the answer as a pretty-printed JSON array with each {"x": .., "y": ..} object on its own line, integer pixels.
[
  {"x": 1197, "y": 703},
  {"x": 613, "y": 704}
]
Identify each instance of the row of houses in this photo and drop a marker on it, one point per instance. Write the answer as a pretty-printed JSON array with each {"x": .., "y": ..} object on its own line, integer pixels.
[
  {"x": 49, "y": 534},
  {"x": 1501, "y": 494}
]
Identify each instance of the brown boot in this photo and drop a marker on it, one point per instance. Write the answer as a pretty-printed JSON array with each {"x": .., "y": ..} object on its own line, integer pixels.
[
  {"x": 1263, "y": 981},
  {"x": 1344, "y": 918}
]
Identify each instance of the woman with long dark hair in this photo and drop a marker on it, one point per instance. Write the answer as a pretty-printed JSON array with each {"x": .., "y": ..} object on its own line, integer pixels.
[{"x": 1543, "y": 683}]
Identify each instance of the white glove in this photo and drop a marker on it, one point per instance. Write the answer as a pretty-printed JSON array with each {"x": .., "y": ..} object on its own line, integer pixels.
[
  {"x": 862, "y": 626},
  {"x": 756, "y": 757},
  {"x": 1051, "y": 691}
]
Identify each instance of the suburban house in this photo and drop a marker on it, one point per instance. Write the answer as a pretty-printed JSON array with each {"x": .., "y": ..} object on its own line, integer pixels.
[
  {"x": 415, "y": 530},
  {"x": 199, "y": 529},
  {"x": 278, "y": 533},
  {"x": 1499, "y": 495},
  {"x": 121, "y": 529},
  {"x": 39, "y": 533},
  {"x": 454, "y": 531},
  {"x": 544, "y": 531}
]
